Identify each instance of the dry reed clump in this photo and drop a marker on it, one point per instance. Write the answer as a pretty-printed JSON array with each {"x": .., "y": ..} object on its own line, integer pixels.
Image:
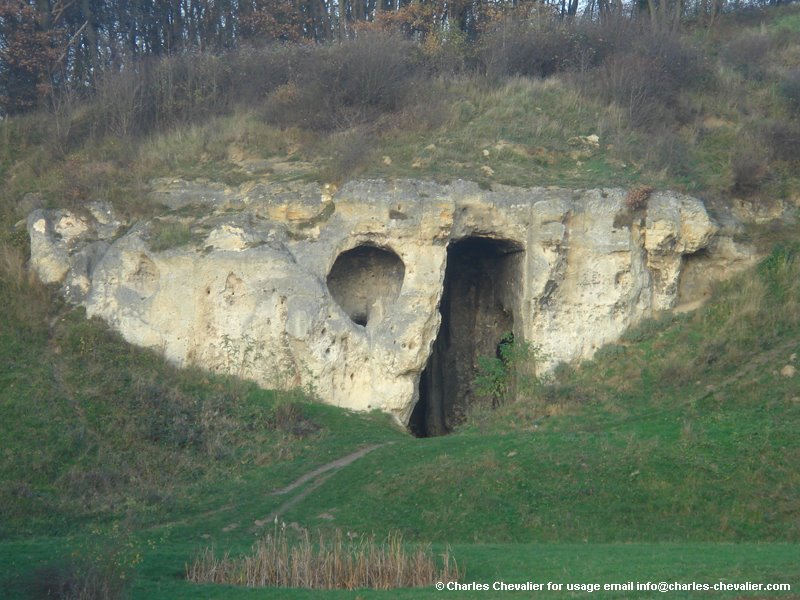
[
  {"x": 21, "y": 293},
  {"x": 338, "y": 562}
]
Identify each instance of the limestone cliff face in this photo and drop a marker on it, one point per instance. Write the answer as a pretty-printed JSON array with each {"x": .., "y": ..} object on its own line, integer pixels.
[{"x": 345, "y": 291}]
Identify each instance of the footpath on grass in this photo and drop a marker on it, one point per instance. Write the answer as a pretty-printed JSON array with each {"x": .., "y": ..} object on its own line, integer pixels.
[{"x": 318, "y": 476}]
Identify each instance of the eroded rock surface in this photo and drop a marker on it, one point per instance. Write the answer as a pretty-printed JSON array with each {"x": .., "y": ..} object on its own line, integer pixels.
[{"x": 340, "y": 290}]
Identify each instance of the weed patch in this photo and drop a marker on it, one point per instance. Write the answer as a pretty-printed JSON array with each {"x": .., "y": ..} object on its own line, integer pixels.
[
  {"x": 169, "y": 234},
  {"x": 511, "y": 374},
  {"x": 102, "y": 567}
]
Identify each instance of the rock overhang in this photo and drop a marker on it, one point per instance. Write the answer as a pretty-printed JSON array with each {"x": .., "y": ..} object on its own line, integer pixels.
[{"x": 249, "y": 292}]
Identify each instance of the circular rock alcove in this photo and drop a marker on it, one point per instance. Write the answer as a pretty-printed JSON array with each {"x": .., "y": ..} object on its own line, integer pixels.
[{"x": 364, "y": 280}]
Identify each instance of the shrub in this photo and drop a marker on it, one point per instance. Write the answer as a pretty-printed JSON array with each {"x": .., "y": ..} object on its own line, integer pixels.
[
  {"x": 510, "y": 374},
  {"x": 748, "y": 54},
  {"x": 255, "y": 73},
  {"x": 644, "y": 330},
  {"x": 192, "y": 87},
  {"x": 101, "y": 569},
  {"x": 632, "y": 82},
  {"x": 167, "y": 415},
  {"x": 790, "y": 90},
  {"x": 546, "y": 47},
  {"x": 783, "y": 139},
  {"x": 522, "y": 49},
  {"x": 290, "y": 417},
  {"x": 186, "y": 88},
  {"x": 646, "y": 78},
  {"x": 75, "y": 582},
  {"x": 120, "y": 102},
  {"x": 748, "y": 168},
  {"x": 608, "y": 352},
  {"x": 346, "y": 84},
  {"x": 445, "y": 52}
]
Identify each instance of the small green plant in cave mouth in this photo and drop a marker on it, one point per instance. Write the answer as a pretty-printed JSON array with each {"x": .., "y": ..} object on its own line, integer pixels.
[{"x": 511, "y": 373}]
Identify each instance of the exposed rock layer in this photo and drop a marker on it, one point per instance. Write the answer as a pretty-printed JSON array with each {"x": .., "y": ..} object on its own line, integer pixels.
[{"x": 339, "y": 292}]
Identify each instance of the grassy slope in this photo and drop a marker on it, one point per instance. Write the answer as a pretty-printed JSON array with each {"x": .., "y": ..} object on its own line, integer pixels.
[
  {"x": 674, "y": 454},
  {"x": 634, "y": 453}
]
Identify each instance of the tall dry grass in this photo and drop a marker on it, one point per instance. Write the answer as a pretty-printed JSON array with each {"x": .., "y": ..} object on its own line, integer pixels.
[
  {"x": 340, "y": 561},
  {"x": 22, "y": 295}
]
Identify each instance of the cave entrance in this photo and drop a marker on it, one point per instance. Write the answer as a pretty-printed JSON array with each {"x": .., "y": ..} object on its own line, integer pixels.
[{"x": 481, "y": 297}]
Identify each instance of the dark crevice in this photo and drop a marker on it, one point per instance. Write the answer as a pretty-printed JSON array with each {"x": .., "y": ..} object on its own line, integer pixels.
[{"x": 478, "y": 305}]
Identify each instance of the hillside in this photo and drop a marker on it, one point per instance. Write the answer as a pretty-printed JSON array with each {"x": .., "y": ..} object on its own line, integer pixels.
[{"x": 673, "y": 455}]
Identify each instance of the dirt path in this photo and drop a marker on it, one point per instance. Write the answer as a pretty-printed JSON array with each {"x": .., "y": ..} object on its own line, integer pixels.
[
  {"x": 336, "y": 464},
  {"x": 318, "y": 476}
]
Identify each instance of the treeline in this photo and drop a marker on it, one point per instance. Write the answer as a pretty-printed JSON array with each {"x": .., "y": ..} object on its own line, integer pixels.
[{"x": 52, "y": 45}]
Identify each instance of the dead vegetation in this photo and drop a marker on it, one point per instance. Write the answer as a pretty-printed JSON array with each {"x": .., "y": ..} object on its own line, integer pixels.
[
  {"x": 637, "y": 197},
  {"x": 340, "y": 561}
]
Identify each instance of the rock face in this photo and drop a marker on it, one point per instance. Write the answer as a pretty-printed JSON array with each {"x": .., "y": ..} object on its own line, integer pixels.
[{"x": 379, "y": 295}]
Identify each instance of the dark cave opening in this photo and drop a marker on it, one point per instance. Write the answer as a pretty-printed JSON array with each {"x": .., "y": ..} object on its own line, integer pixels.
[{"x": 479, "y": 302}]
